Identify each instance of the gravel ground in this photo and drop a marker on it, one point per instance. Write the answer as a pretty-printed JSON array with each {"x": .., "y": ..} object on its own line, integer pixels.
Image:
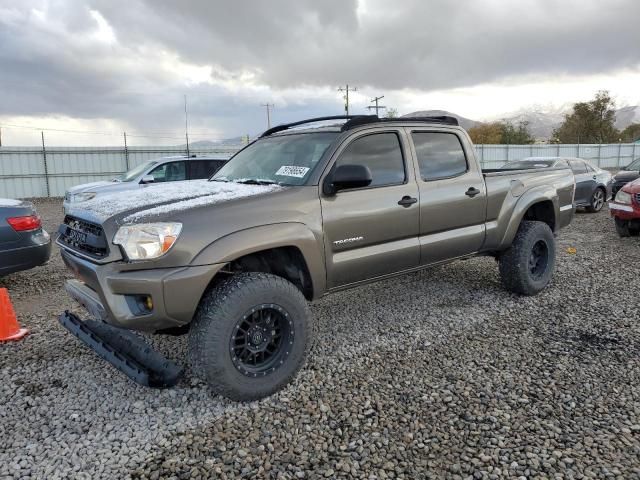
[{"x": 434, "y": 374}]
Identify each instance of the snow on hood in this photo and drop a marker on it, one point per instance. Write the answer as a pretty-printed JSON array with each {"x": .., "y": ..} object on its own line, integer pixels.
[
  {"x": 88, "y": 186},
  {"x": 9, "y": 202},
  {"x": 167, "y": 198}
]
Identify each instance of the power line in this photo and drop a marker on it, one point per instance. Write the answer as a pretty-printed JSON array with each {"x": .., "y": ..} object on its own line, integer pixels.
[
  {"x": 268, "y": 106},
  {"x": 376, "y": 106},
  {"x": 346, "y": 96}
]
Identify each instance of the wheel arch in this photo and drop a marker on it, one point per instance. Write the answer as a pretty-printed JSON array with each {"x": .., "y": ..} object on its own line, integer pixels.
[
  {"x": 537, "y": 205},
  {"x": 289, "y": 250}
]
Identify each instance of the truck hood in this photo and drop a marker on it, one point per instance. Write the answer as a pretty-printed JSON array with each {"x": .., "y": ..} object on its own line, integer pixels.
[
  {"x": 91, "y": 187},
  {"x": 162, "y": 200}
]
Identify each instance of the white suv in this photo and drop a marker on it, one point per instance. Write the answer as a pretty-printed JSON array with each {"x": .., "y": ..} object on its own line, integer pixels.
[{"x": 167, "y": 169}]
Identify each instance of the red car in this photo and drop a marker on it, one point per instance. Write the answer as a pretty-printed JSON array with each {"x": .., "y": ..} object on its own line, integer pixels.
[{"x": 625, "y": 209}]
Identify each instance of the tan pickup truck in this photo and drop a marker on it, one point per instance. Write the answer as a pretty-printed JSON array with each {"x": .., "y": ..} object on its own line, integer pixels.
[{"x": 297, "y": 214}]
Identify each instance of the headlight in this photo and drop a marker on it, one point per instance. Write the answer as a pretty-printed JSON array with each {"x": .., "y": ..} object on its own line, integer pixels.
[
  {"x": 82, "y": 197},
  {"x": 147, "y": 240},
  {"x": 623, "y": 197}
]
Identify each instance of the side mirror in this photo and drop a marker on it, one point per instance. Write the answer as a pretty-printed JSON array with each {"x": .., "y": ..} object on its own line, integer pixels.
[
  {"x": 347, "y": 176},
  {"x": 148, "y": 179}
]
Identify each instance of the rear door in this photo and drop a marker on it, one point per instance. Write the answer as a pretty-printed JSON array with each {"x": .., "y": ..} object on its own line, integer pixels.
[
  {"x": 367, "y": 233},
  {"x": 585, "y": 181},
  {"x": 452, "y": 196},
  {"x": 201, "y": 169}
]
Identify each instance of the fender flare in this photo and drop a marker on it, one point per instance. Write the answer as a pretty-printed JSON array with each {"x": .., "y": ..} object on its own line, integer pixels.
[
  {"x": 535, "y": 195},
  {"x": 290, "y": 234}
]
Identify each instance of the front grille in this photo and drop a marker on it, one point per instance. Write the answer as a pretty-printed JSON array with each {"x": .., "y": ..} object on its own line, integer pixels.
[
  {"x": 637, "y": 197},
  {"x": 83, "y": 236}
]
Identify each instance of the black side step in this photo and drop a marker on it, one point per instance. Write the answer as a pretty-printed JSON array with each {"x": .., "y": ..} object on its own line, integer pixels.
[{"x": 124, "y": 350}]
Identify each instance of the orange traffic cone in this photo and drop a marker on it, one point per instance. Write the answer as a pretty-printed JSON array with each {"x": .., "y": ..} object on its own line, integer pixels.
[{"x": 9, "y": 328}]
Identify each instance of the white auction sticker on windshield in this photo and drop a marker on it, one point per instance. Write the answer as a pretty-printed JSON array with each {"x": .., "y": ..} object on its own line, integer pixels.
[{"x": 292, "y": 171}]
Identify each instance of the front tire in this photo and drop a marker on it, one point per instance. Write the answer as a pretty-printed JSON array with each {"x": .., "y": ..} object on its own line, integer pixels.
[
  {"x": 250, "y": 336},
  {"x": 527, "y": 266},
  {"x": 622, "y": 227},
  {"x": 598, "y": 200}
]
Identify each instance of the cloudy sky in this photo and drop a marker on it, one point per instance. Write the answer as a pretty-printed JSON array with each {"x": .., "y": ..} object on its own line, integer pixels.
[{"x": 107, "y": 66}]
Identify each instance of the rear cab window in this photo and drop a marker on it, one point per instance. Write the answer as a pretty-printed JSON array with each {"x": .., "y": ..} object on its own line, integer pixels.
[
  {"x": 440, "y": 155},
  {"x": 381, "y": 153}
]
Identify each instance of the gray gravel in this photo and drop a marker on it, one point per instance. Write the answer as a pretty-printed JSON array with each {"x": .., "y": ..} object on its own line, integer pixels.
[{"x": 435, "y": 374}]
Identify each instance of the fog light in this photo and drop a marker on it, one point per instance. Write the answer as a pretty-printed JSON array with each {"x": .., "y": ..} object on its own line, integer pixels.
[{"x": 148, "y": 302}]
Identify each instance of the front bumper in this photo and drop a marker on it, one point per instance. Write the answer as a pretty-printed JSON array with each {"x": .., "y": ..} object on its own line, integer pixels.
[
  {"x": 107, "y": 292},
  {"x": 624, "y": 211},
  {"x": 26, "y": 257}
]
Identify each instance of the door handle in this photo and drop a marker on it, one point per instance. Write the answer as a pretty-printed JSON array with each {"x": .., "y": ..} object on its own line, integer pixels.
[
  {"x": 472, "y": 192},
  {"x": 595, "y": 178},
  {"x": 407, "y": 201}
]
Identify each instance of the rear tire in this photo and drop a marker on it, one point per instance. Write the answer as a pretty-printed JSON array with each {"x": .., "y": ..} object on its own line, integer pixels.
[
  {"x": 527, "y": 266},
  {"x": 250, "y": 336},
  {"x": 598, "y": 199},
  {"x": 622, "y": 227}
]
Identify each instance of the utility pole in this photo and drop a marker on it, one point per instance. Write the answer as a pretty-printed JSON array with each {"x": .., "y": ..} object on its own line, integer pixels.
[
  {"x": 268, "y": 106},
  {"x": 186, "y": 124},
  {"x": 126, "y": 152},
  {"x": 346, "y": 90},
  {"x": 376, "y": 106}
]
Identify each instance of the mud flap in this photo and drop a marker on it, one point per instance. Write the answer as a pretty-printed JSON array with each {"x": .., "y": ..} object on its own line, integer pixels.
[{"x": 125, "y": 350}]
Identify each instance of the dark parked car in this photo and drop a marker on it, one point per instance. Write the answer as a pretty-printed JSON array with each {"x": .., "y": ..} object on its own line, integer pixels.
[
  {"x": 24, "y": 244},
  {"x": 628, "y": 174},
  {"x": 593, "y": 185}
]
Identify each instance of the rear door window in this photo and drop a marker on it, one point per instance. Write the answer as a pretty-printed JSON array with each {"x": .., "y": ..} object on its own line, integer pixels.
[
  {"x": 200, "y": 169},
  {"x": 382, "y": 153},
  {"x": 440, "y": 155},
  {"x": 578, "y": 167}
]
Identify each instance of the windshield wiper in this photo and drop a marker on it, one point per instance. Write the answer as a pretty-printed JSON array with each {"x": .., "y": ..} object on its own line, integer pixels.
[
  {"x": 253, "y": 181},
  {"x": 220, "y": 179}
]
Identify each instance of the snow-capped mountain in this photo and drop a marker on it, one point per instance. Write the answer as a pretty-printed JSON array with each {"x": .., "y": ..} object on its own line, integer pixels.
[{"x": 541, "y": 121}]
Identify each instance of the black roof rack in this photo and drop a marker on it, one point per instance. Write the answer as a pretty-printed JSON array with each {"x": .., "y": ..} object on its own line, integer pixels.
[{"x": 356, "y": 120}]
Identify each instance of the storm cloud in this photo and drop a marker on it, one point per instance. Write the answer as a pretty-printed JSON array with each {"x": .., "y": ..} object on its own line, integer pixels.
[{"x": 133, "y": 60}]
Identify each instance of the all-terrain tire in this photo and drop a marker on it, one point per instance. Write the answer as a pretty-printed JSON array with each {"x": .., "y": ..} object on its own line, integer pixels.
[
  {"x": 598, "y": 199},
  {"x": 216, "y": 322},
  {"x": 516, "y": 272},
  {"x": 622, "y": 227}
]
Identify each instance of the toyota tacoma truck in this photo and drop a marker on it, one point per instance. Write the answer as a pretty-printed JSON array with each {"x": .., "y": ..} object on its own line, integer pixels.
[{"x": 305, "y": 210}]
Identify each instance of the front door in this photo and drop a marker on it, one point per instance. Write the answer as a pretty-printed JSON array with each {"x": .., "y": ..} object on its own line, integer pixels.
[{"x": 367, "y": 232}]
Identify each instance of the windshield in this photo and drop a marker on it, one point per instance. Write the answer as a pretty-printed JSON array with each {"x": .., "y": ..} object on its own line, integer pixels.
[
  {"x": 285, "y": 160},
  {"x": 132, "y": 174},
  {"x": 635, "y": 165},
  {"x": 529, "y": 164}
]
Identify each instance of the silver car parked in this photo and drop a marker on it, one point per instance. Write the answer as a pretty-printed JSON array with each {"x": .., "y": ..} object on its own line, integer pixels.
[
  {"x": 593, "y": 184},
  {"x": 166, "y": 169}
]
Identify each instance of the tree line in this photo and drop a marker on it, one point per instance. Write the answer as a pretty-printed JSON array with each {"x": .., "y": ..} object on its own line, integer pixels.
[{"x": 588, "y": 122}]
